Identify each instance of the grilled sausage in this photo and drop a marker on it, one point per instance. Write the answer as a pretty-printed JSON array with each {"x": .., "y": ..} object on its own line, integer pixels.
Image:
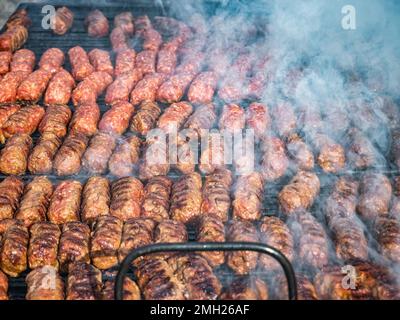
[
  {"x": 9, "y": 85},
  {"x": 124, "y": 62},
  {"x": 124, "y": 20},
  {"x": 131, "y": 290},
  {"x": 300, "y": 153},
  {"x": 43, "y": 245},
  {"x": 126, "y": 198},
  {"x": 157, "y": 280},
  {"x": 13, "y": 38},
  {"x": 55, "y": 120},
  {"x": 145, "y": 118},
  {"x": 156, "y": 200},
  {"x": 202, "y": 118},
  {"x": 284, "y": 119},
  {"x": 213, "y": 153},
  {"x": 5, "y": 60},
  {"x": 186, "y": 198},
  {"x": 211, "y": 229},
  {"x": 274, "y": 162},
  {"x": 91, "y": 87},
  {"x": 202, "y": 88},
  {"x": 258, "y": 119},
  {"x": 100, "y": 148},
  {"x": 14, "y": 155},
  {"x": 84, "y": 282},
  {"x": 186, "y": 154},
  {"x": 40, "y": 160},
  {"x": 331, "y": 156},
  {"x": 125, "y": 157},
  {"x": 119, "y": 40},
  {"x": 63, "y": 20},
  {"x": 136, "y": 233},
  {"x": 173, "y": 89},
  {"x": 6, "y": 112},
  {"x": 387, "y": 233},
  {"x": 174, "y": 116},
  {"x": 300, "y": 193},
  {"x": 74, "y": 244},
  {"x": 146, "y": 61},
  {"x": 200, "y": 281},
  {"x": 142, "y": 23},
  {"x": 248, "y": 193},
  {"x": 19, "y": 18},
  {"x": 23, "y": 61},
  {"x": 52, "y": 60},
  {"x": 375, "y": 195},
  {"x": 170, "y": 231},
  {"x": 155, "y": 160},
  {"x": 97, "y": 24},
  {"x": 84, "y": 120},
  {"x": 275, "y": 233},
  {"x": 146, "y": 89},
  {"x": 311, "y": 240},
  {"x": 35, "y": 201},
  {"x": 13, "y": 251},
  {"x": 3, "y": 287},
  {"x": 305, "y": 288},
  {"x": 232, "y": 118},
  {"x": 59, "y": 89},
  {"x": 152, "y": 39},
  {"x": 44, "y": 283},
  {"x": 81, "y": 67},
  {"x": 216, "y": 194},
  {"x": 241, "y": 262},
  {"x": 246, "y": 288},
  {"x": 116, "y": 120},
  {"x": 122, "y": 86},
  {"x": 96, "y": 198},
  {"x": 105, "y": 241},
  {"x": 166, "y": 61},
  {"x": 11, "y": 189},
  {"x": 65, "y": 202},
  {"x": 101, "y": 61},
  {"x": 24, "y": 121},
  {"x": 67, "y": 161}
]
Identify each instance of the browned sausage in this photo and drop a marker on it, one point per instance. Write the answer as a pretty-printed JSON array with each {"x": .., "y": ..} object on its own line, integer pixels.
[
  {"x": 38, "y": 282},
  {"x": 11, "y": 189},
  {"x": 146, "y": 61},
  {"x": 9, "y": 85},
  {"x": 124, "y": 20},
  {"x": 62, "y": 21},
  {"x": 60, "y": 88},
  {"x": 125, "y": 62},
  {"x": 85, "y": 119},
  {"x": 33, "y": 87},
  {"x": 146, "y": 89},
  {"x": 125, "y": 157},
  {"x": 97, "y": 24},
  {"x": 122, "y": 86},
  {"x": 81, "y": 67},
  {"x": 101, "y": 61},
  {"x": 116, "y": 120},
  {"x": 5, "y": 60},
  {"x": 23, "y": 60},
  {"x": 96, "y": 198},
  {"x": 13, "y": 38},
  {"x": 202, "y": 88},
  {"x": 52, "y": 60},
  {"x": 56, "y": 120},
  {"x": 156, "y": 200},
  {"x": 258, "y": 119},
  {"x": 96, "y": 156},
  {"x": 14, "y": 155},
  {"x": 40, "y": 160}
]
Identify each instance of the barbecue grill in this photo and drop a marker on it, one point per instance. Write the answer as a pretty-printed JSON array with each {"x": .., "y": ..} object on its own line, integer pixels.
[{"x": 39, "y": 40}]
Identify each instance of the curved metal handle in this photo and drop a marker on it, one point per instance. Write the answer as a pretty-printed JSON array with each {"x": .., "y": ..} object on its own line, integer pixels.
[{"x": 207, "y": 246}]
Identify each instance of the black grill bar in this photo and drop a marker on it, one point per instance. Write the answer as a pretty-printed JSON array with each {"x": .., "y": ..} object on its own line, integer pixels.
[{"x": 207, "y": 246}]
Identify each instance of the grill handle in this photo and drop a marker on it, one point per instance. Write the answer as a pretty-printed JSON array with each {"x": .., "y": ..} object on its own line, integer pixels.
[{"x": 207, "y": 246}]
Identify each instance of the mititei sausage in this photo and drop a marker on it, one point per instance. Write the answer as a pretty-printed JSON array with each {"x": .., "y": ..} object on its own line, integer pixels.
[
  {"x": 116, "y": 120},
  {"x": 85, "y": 119},
  {"x": 56, "y": 120},
  {"x": 173, "y": 89},
  {"x": 203, "y": 117},
  {"x": 65, "y": 202},
  {"x": 33, "y": 87},
  {"x": 62, "y": 20},
  {"x": 25, "y": 120},
  {"x": 124, "y": 20},
  {"x": 11, "y": 189},
  {"x": 247, "y": 201},
  {"x": 122, "y": 86},
  {"x": 124, "y": 62},
  {"x": 13, "y": 39},
  {"x": 67, "y": 161},
  {"x": 232, "y": 118},
  {"x": 43, "y": 245},
  {"x": 81, "y": 67},
  {"x": 5, "y": 60},
  {"x": 19, "y": 18},
  {"x": 74, "y": 244},
  {"x": 9, "y": 85},
  {"x": 154, "y": 160},
  {"x": 146, "y": 61},
  {"x": 14, "y": 249},
  {"x": 331, "y": 155},
  {"x": 105, "y": 241},
  {"x": 98, "y": 152},
  {"x": 174, "y": 116},
  {"x": 246, "y": 288},
  {"x": 101, "y": 61},
  {"x": 119, "y": 40},
  {"x": 52, "y": 60},
  {"x": 142, "y": 23},
  {"x": 96, "y": 198},
  {"x": 14, "y": 155},
  {"x": 258, "y": 119},
  {"x": 166, "y": 61},
  {"x": 60, "y": 88},
  {"x": 152, "y": 39},
  {"x": 40, "y": 160},
  {"x": 97, "y": 24},
  {"x": 35, "y": 201},
  {"x": 156, "y": 198},
  {"x": 38, "y": 282},
  {"x": 91, "y": 87},
  {"x": 6, "y": 112},
  {"x": 146, "y": 89},
  {"x": 145, "y": 118},
  {"x": 274, "y": 162},
  {"x": 300, "y": 153},
  {"x": 84, "y": 282},
  {"x": 125, "y": 157},
  {"x": 202, "y": 88},
  {"x": 23, "y": 60},
  {"x": 126, "y": 198}
]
